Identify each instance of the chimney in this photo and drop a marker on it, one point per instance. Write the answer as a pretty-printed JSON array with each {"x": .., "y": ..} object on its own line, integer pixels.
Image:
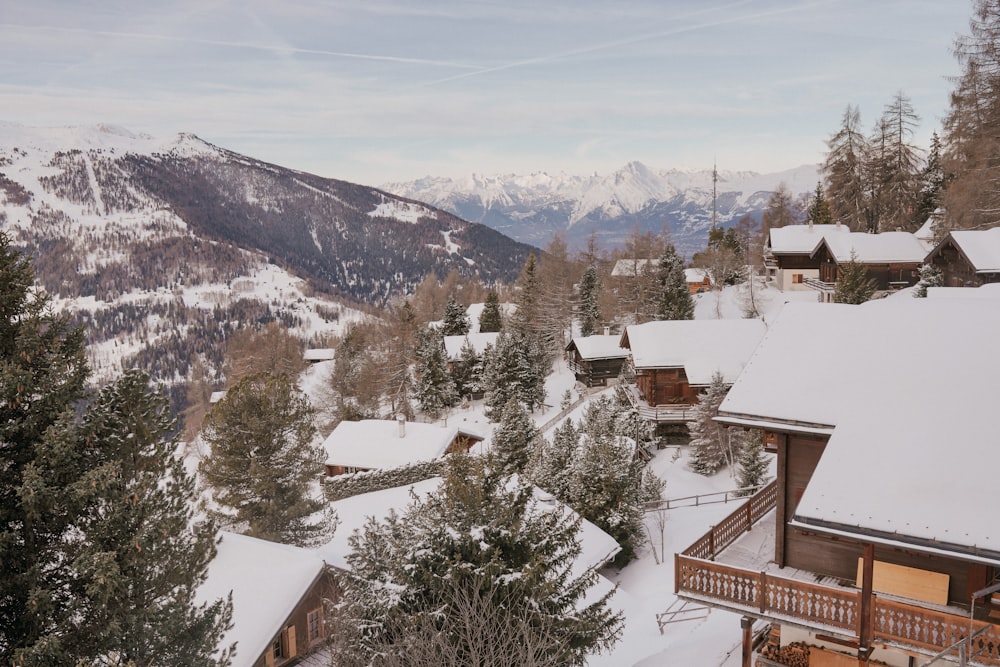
[
  {"x": 607, "y": 331},
  {"x": 401, "y": 421}
]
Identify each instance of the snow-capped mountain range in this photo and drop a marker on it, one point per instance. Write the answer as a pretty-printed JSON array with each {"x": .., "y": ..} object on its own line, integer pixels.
[{"x": 532, "y": 208}]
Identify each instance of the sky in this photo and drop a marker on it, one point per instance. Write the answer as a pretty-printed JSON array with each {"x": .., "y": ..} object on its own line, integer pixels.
[{"x": 376, "y": 91}]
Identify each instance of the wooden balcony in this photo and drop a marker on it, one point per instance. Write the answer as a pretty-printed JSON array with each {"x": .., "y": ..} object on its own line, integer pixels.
[{"x": 817, "y": 607}]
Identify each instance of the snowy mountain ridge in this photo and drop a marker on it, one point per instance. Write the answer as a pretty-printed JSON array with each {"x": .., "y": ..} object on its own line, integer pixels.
[{"x": 533, "y": 207}]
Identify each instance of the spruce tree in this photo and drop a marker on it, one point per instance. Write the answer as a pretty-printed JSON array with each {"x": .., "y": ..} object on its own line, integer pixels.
[
  {"x": 467, "y": 372},
  {"x": 819, "y": 210},
  {"x": 526, "y": 317},
  {"x": 713, "y": 446},
  {"x": 853, "y": 284},
  {"x": 136, "y": 558},
  {"x": 263, "y": 462},
  {"x": 491, "y": 319},
  {"x": 930, "y": 276},
  {"x": 435, "y": 388},
  {"x": 674, "y": 300},
  {"x": 516, "y": 439},
  {"x": 514, "y": 367},
  {"x": 477, "y": 573},
  {"x": 588, "y": 310},
  {"x": 552, "y": 465},
  {"x": 43, "y": 371},
  {"x": 752, "y": 464},
  {"x": 456, "y": 321}
]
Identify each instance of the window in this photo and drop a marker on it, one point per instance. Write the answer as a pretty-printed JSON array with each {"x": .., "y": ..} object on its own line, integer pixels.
[
  {"x": 314, "y": 622},
  {"x": 796, "y": 278}
]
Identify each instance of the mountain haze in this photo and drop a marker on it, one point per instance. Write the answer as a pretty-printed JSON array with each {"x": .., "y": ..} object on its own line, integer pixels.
[{"x": 533, "y": 208}]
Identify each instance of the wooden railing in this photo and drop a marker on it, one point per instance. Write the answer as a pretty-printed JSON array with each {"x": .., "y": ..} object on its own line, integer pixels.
[
  {"x": 666, "y": 413},
  {"x": 698, "y": 578}
]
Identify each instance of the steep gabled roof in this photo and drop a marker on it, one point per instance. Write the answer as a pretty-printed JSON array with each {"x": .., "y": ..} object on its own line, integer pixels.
[
  {"x": 701, "y": 347},
  {"x": 267, "y": 580},
  {"x": 981, "y": 248},
  {"x": 376, "y": 443},
  {"x": 907, "y": 387},
  {"x": 902, "y": 247},
  {"x": 801, "y": 239},
  {"x": 598, "y": 347},
  {"x": 632, "y": 267}
]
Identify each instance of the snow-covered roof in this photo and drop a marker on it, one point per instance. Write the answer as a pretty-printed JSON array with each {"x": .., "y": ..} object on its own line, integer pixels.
[
  {"x": 802, "y": 239},
  {"x": 267, "y": 580},
  {"x": 876, "y": 248},
  {"x": 981, "y": 247},
  {"x": 319, "y": 354},
  {"x": 596, "y": 546},
  {"x": 453, "y": 344},
  {"x": 376, "y": 443},
  {"x": 909, "y": 389},
  {"x": 701, "y": 347},
  {"x": 632, "y": 267},
  {"x": 599, "y": 347},
  {"x": 216, "y": 396},
  {"x": 695, "y": 275},
  {"x": 987, "y": 291}
]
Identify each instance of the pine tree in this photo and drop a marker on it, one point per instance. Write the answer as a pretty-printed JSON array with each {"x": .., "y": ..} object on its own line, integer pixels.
[
  {"x": 136, "y": 559},
  {"x": 819, "y": 209},
  {"x": 853, "y": 283},
  {"x": 456, "y": 321},
  {"x": 475, "y": 574},
  {"x": 491, "y": 319},
  {"x": 527, "y": 298},
  {"x": 713, "y": 445},
  {"x": 931, "y": 184},
  {"x": 844, "y": 170},
  {"x": 43, "y": 371},
  {"x": 674, "y": 300},
  {"x": 435, "y": 388},
  {"x": 588, "y": 310},
  {"x": 514, "y": 368},
  {"x": 752, "y": 463},
  {"x": 516, "y": 439},
  {"x": 930, "y": 276},
  {"x": 263, "y": 462},
  {"x": 894, "y": 166},
  {"x": 467, "y": 372},
  {"x": 551, "y": 467}
]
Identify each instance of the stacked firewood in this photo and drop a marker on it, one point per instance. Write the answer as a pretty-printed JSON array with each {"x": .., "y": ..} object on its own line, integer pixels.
[{"x": 794, "y": 655}]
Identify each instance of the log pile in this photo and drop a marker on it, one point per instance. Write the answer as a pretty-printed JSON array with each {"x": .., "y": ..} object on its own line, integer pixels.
[{"x": 794, "y": 655}]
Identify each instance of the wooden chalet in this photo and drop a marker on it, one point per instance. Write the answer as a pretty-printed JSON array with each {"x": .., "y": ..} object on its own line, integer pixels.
[
  {"x": 789, "y": 254},
  {"x": 383, "y": 444},
  {"x": 278, "y": 599},
  {"x": 968, "y": 258},
  {"x": 675, "y": 360},
  {"x": 885, "y": 548},
  {"x": 316, "y": 355},
  {"x": 891, "y": 259},
  {"x": 596, "y": 359},
  {"x": 698, "y": 280}
]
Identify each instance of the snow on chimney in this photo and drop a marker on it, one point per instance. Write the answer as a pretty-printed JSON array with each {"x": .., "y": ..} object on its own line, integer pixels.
[
  {"x": 607, "y": 331},
  {"x": 401, "y": 421}
]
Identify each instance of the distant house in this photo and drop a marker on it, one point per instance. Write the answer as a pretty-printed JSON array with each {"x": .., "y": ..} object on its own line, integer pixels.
[
  {"x": 698, "y": 280},
  {"x": 278, "y": 592},
  {"x": 596, "y": 359},
  {"x": 316, "y": 355},
  {"x": 675, "y": 360},
  {"x": 630, "y": 268},
  {"x": 479, "y": 341},
  {"x": 884, "y": 543},
  {"x": 891, "y": 259},
  {"x": 382, "y": 444},
  {"x": 475, "y": 311},
  {"x": 788, "y": 253},
  {"x": 968, "y": 258}
]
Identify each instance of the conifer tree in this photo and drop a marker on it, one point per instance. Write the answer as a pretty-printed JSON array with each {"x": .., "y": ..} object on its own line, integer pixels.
[
  {"x": 456, "y": 321},
  {"x": 845, "y": 171},
  {"x": 588, "y": 310},
  {"x": 491, "y": 319},
  {"x": 477, "y": 573},
  {"x": 136, "y": 559},
  {"x": 930, "y": 276},
  {"x": 435, "y": 387},
  {"x": 752, "y": 463},
  {"x": 263, "y": 461},
  {"x": 527, "y": 298},
  {"x": 931, "y": 184},
  {"x": 713, "y": 445},
  {"x": 853, "y": 283},
  {"x": 552, "y": 465},
  {"x": 819, "y": 210},
  {"x": 43, "y": 371},
  {"x": 674, "y": 300},
  {"x": 467, "y": 372},
  {"x": 514, "y": 367},
  {"x": 515, "y": 440}
]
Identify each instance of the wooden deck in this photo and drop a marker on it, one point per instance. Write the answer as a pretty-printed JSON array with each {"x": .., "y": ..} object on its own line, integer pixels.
[{"x": 818, "y": 607}]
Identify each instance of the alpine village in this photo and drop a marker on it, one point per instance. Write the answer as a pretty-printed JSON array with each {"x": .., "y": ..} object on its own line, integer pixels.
[{"x": 254, "y": 417}]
